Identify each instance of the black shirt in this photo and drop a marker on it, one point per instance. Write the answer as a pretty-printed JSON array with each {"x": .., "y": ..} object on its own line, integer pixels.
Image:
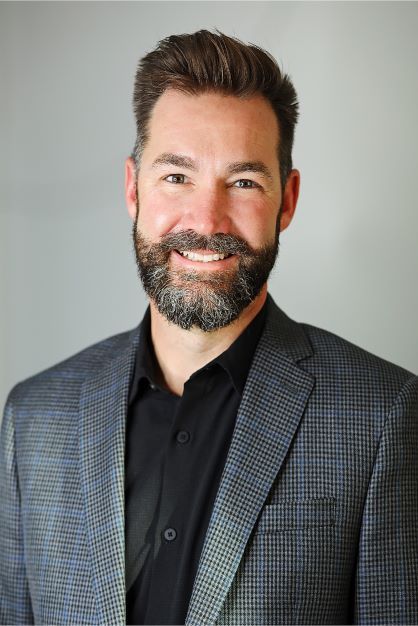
[{"x": 176, "y": 449}]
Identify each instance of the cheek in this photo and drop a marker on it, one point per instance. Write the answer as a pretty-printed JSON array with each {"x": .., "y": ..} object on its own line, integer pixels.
[
  {"x": 258, "y": 233},
  {"x": 156, "y": 216},
  {"x": 257, "y": 224}
]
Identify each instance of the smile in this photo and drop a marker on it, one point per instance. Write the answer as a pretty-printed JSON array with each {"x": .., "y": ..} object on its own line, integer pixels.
[{"x": 203, "y": 258}]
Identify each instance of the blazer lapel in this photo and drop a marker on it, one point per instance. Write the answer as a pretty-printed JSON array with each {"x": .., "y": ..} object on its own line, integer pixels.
[
  {"x": 273, "y": 402},
  {"x": 103, "y": 409}
]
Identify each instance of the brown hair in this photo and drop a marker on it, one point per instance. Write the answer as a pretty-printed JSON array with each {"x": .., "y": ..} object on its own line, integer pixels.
[{"x": 206, "y": 61}]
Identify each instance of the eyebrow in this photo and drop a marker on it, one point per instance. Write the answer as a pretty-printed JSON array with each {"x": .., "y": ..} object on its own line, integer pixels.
[
  {"x": 250, "y": 166},
  {"x": 180, "y": 160}
]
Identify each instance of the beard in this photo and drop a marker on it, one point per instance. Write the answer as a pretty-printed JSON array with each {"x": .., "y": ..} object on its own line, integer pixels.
[{"x": 208, "y": 300}]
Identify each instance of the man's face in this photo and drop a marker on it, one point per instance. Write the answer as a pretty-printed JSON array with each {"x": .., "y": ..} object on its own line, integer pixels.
[{"x": 208, "y": 185}]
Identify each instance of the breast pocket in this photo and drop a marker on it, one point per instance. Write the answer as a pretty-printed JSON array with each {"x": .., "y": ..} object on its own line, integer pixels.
[
  {"x": 290, "y": 558},
  {"x": 296, "y": 515}
]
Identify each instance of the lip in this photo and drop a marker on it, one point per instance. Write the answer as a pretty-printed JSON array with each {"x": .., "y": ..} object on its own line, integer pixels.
[{"x": 215, "y": 265}]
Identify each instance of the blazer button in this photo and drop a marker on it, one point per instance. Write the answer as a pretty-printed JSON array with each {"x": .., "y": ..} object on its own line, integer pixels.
[
  {"x": 183, "y": 436},
  {"x": 170, "y": 534}
]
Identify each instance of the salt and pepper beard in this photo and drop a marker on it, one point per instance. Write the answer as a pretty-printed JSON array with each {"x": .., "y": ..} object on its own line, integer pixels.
[{"x": 210, "y": 299}]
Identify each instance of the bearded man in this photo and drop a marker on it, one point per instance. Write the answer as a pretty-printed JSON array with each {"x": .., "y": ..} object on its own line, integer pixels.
[{"x": 220, "y": 463}]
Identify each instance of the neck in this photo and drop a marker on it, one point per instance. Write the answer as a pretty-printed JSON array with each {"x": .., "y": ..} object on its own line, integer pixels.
[{"x": 180, "y": 352}]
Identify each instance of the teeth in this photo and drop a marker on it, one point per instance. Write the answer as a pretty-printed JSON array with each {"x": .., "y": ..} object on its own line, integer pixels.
[{"x": 204, "y": 258}]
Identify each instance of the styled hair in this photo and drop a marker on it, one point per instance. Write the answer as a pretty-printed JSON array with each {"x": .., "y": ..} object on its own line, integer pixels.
[{"x": 214, "y": 62}]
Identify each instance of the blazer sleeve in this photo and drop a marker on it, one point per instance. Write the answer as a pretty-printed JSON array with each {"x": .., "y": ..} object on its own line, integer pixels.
[
  {"x": 386, "y": 585},
  {"x": 15, "y": 604}
]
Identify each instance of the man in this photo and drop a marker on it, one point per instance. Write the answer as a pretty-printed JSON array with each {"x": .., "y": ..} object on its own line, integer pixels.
[{"x": 221, "y": 463}]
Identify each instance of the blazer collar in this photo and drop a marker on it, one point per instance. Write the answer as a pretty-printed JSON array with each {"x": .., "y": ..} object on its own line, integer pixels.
[
  {"x": 273, "y": 402},
  {"x": 103, "y": 409}
]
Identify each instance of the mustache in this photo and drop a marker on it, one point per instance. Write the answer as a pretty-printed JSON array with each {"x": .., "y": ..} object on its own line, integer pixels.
[{"x": 218, "y": 242}]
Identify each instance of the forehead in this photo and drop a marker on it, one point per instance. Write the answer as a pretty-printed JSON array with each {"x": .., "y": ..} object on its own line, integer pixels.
[{"x": 214, "y": 123}]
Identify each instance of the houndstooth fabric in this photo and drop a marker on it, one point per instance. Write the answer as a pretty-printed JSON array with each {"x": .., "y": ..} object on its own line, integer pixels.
[{"x": 316, "y": 516}]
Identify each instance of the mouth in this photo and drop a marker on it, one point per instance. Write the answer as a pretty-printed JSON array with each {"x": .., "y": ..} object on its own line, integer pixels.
[
  {"x": 205, "y": 257},
  {"x": 208, "y": 258}
]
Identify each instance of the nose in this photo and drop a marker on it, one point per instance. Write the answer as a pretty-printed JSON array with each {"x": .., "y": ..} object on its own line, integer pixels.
[{"x": 208, "y": 212}]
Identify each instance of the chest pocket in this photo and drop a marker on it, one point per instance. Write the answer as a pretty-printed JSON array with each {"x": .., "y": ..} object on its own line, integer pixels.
[
  {"x": 296, "y": 515},
  {"x": 289, "y": 558}
]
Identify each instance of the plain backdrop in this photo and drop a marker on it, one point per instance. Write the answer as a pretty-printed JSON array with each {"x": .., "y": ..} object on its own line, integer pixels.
[{"x": 347, "y": 263}]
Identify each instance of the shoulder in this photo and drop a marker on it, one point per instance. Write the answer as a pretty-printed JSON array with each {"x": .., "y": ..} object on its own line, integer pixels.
[
  {"x": 332, "y": 353},
  {"x": 345, "y": 374},
  {"x": 65, "y": 378}
]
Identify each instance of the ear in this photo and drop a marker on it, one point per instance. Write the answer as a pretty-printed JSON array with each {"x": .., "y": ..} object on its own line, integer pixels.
[
  {"x": 290, "y": 198},
  {"x": 130, "y": 186}
]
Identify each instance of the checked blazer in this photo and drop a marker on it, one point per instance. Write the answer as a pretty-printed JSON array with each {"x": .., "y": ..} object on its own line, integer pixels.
[{"x": 315, "y": 519}]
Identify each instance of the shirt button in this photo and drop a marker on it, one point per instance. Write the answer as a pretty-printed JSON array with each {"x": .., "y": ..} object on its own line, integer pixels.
[
  {"x": 183, "y": 436},
  {"x": 170, "y": 534}
]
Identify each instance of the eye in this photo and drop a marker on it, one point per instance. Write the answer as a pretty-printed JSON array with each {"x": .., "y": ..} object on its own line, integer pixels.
[
  {"x": 176, "y": 179},
  {"x": 246, "y": 183}
]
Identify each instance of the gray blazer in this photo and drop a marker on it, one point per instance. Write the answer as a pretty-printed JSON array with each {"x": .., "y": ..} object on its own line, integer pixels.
[{"x": 315, "y": 520}]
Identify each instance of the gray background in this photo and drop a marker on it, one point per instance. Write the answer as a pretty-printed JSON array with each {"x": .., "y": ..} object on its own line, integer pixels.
[{"x": 347, "y": 263}]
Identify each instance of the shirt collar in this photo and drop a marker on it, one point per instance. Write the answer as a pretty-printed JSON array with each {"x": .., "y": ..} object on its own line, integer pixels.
[
  {"x": 145, "y": 362},
  {"x": 235, "y": 360}
]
